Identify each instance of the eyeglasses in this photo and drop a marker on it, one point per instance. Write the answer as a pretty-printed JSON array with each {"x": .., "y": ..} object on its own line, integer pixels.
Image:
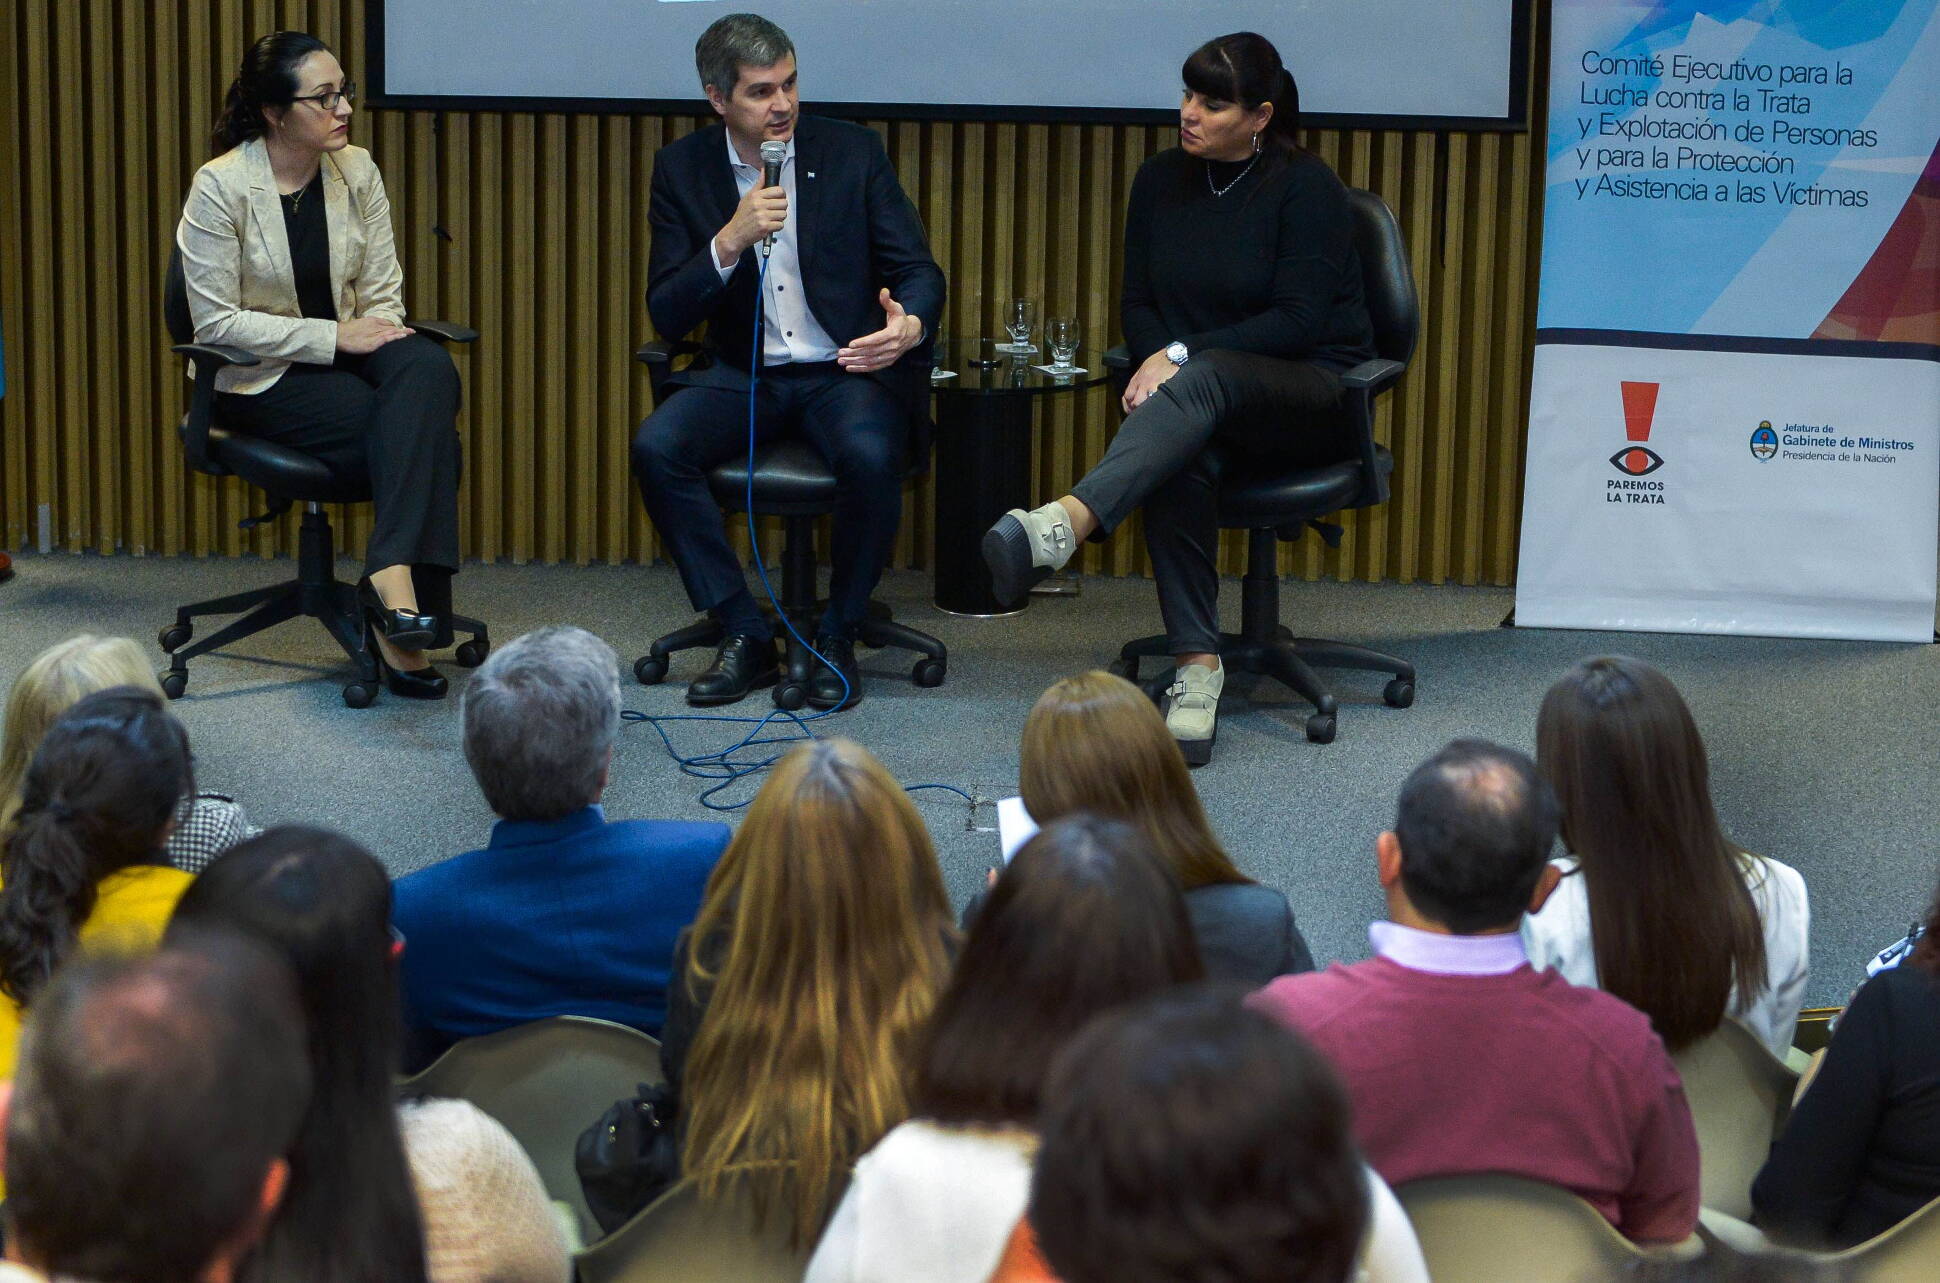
[{"x": 329, "y": 98}]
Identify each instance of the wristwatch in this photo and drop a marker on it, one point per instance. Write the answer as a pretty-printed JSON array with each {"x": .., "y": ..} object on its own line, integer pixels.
[{"x": 1175, "y": 352}]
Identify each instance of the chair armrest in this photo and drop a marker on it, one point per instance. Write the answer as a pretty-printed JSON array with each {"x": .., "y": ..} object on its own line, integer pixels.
[
  {"x": 1118, "y": 358},
  {"x": 213, "y": 356},
  {"x": 209, "y": 359},
  {"x": 444, "y": 331},
  {"x": 663, "y": 351},
  {"x": 1372, "y": 376}
]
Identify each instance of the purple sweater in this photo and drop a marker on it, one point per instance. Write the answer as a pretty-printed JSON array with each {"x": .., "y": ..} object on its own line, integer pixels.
[{"x": 1522, "y": 1073}]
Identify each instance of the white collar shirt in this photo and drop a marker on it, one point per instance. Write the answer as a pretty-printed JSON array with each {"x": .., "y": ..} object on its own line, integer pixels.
[{"x": 790, "y": 332}]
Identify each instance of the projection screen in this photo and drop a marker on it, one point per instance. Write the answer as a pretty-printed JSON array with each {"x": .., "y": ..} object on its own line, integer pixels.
[{"x": 1420, "y": 63}]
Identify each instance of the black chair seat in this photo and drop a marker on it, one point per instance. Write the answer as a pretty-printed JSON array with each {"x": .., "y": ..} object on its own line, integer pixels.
[
  {"x": 791, "y": 479},
  {"x": 282, "y": 471},
  {"x": 1248, "y": 502}
]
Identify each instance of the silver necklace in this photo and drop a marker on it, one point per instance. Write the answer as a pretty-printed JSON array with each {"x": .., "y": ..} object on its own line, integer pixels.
[
  {"x": 295, "y": 198},
  {"x": 1221, "y": 191}
]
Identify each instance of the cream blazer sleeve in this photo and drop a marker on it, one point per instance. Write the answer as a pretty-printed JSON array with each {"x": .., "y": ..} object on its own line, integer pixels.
[{"x": 236, "y": 261}]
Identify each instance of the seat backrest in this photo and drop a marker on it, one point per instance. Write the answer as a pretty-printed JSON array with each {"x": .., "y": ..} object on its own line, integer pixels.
[
  {"x": 1740, "y": 1094},
  {"x": 1907, "y": 1253},
  {"x": 547, "y": 1082},
  {"x": 1490, "y": 1227},
  {"x": 175, "y": 301},
  {"x": 679, "y": 1238},
  {"x": 1387, "y": 278}
]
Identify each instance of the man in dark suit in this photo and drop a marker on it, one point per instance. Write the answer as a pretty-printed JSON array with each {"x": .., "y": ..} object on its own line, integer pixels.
[{"x": 850, "y": 292}]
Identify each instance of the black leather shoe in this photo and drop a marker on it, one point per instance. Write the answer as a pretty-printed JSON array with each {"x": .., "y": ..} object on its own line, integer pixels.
[
  {"x": 825, "y": 687},
  {"x": 741, "y": 664},
  {"x": 404, "y": 629},
  {"x": 413, "y": 683}
]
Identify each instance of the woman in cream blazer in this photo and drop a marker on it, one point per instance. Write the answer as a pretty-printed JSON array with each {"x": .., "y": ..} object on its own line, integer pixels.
[{"x": 287, "y": 253}]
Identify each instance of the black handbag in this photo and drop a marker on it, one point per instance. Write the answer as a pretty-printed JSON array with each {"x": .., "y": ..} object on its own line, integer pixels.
[{"x": 630, "y": 1156}]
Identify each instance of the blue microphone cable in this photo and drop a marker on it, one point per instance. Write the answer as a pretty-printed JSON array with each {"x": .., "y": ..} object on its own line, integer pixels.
[{"x": 726, "y": 767}]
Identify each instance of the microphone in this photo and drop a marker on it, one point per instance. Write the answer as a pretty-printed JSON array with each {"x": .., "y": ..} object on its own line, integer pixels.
[{"x": 772, "y": 155}]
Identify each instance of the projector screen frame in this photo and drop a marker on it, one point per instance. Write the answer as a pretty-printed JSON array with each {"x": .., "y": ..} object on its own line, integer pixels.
[{"x": 1516, "y": 121}]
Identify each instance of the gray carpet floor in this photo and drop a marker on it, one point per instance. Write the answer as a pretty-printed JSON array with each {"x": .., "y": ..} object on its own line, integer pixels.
[{"x": 1822, "y": 752}]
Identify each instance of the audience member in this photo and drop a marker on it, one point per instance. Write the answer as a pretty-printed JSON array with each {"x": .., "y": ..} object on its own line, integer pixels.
[
  {"x": 434, "y": 1191},
  {"x": 82, "y": 862},
  {"x": 1861, "y": 1151},
  {"x": 565, "y": 912},
  {"x": 1085, "y": 917},
  {"x": 1189, "y": 1140},
  {"x": 206, "y": 824},
  {"x": 1095, "y": 743},
  {"x": 156, "y": 1101},
  {"x": 1656, "y": 905},
  {"x": 1460, "y": 1056},
  {"x": 825, "y": 939}
]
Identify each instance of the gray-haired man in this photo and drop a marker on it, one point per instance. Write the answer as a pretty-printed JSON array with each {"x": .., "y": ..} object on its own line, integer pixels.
[{"x": 565, "y": 912}]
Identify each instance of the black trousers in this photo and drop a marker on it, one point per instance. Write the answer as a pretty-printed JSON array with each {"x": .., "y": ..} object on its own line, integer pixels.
[
  {"x": 858, "y": 426},
  {"x": 392, "y": 415},
  {"x": 1222, "y": 409}
]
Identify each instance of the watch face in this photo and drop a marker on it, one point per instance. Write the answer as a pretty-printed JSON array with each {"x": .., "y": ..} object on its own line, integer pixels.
[{"x": 1176, "y": 353}]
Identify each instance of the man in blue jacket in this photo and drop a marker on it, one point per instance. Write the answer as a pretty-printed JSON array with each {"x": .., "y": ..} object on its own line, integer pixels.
[
  {"x": 848, "y": 293},
  {"x": 566, "y": 912}
]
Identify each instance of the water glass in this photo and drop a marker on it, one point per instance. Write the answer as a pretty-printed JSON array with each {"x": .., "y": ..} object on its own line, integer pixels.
[
  {"x": 940, "y": 348},
  {"x": 1020, "y": 320},
  {"x": 1061, "y": 335}
]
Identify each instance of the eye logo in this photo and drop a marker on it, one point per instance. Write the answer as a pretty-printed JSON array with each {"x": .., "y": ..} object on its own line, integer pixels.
[
  {"x": 1636, "y": 460},
  {"x": 1764, "y": 442}
]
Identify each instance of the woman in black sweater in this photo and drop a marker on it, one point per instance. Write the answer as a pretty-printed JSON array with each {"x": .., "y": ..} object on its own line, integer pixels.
[
  {"x": 1242, "y": 306},
  {"x": 1861, "y": 1151}
]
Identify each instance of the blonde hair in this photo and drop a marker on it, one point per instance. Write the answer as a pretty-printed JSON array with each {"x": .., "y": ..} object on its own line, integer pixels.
[
  {"x": 820, "y": 948},
  {"x": 57, "y": 678},
  {"x": 1095, "y": 743}
]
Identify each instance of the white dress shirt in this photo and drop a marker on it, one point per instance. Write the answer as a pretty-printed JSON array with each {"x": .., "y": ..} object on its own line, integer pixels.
[
  {"x": 1559, "y": 937},
  {"x": 790, "y": 332}
]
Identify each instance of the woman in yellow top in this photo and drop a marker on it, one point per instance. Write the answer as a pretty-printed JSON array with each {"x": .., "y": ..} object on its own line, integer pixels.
[{"x": 83, "y": 862}]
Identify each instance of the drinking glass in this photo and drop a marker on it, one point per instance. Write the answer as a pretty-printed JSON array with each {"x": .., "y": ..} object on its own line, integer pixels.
[
  {"x": 940, "y": 349},
  {"x": 1061, "y": 335},
  {"x": 1020, "y": 320}
]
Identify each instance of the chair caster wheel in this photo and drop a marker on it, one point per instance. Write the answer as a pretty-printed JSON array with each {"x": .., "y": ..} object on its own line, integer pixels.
[
  {"x": 472, "y": 653},
  {"x": 359, "y": 695},
  {"x": 174, "y": 637},
  {"x": 174, "y": 682},
  {"x": 1399, "y": 693},
  {"x": 928, "y": 672},
  {"x": 791, "y": 695},
  {"x": 1126, "y": 668},
  {"x": 650, "y": 669},
  {"x": 1320, "y": 728}
]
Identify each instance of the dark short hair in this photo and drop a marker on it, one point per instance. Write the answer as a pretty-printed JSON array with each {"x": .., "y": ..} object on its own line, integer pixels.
[
  {"x": 1475, "y": 822},
  {"x": 1187, "y": 1139},
  {"x": 1085, "y": 917},
  {"x": 151, "y": 1098},
  {"x": 736, "y": 41}
]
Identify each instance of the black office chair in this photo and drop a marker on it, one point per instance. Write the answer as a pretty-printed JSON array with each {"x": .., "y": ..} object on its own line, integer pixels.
[
  {"x": 287, "y": 477},
  {"x": 791, "y": 481},
  {"x": 1286, "y": 505}
]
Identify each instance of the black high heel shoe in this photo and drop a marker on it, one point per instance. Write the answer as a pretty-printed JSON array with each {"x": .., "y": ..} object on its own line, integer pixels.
[
  {"x": 404, "y": 629},
  {"x": 418, "y": 683}
]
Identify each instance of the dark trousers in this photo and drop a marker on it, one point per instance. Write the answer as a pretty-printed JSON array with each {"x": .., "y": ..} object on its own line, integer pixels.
[
  {"x": 1222, "y": 409},
  {"x": 857, "y": 425},
  {"x": 392, "y": 415}
]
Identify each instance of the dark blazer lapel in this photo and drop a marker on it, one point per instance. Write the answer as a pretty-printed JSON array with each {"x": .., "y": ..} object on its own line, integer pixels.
[
  {"x": 808, "y": 188},
  {"x": 720, "y": 175}
]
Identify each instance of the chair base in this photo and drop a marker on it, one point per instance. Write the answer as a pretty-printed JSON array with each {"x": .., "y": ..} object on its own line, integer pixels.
[{"x": 316, "y": 592}]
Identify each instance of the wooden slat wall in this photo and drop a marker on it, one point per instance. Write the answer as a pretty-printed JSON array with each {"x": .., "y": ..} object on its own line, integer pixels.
[{"x": 104, "y": 109}]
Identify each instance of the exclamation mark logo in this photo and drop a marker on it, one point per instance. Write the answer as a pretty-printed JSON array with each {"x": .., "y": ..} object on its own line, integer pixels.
[{"x": 1639, "y": 409}]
